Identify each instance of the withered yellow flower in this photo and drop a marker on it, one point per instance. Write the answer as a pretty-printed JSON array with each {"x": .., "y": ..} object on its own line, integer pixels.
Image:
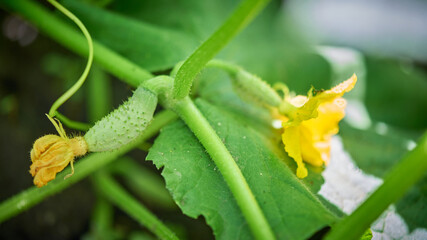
[
  {"x": 309, "y": 123},
  {"x": 52, "y": 153}
]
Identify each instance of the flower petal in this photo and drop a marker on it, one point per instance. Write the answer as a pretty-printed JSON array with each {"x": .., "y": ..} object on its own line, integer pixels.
[
  {"x": 310, "y": 109},
  {"x": 319, "y": 130},
  {"x": 50, "y": 155},
  {"x": 310, "y": 153},
  {"x": 291, "y": 140}
]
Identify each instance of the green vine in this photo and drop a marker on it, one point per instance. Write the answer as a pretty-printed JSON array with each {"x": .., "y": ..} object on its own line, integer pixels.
[
  {"x": 71, "y": 123},
  {"x": 227, "y": 166},
  {"x": 79, "y": 83},
  {"x": 239, "y": 19}
]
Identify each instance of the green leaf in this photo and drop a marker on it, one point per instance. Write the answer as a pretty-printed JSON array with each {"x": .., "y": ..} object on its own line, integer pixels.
[
  {"x": 152, "y": 47},
  {"x": 268, "y": 47},
  {"x": 396, "y": 93},
  {"x": 197, "y": 18},
  {"x": 199, "y": 189},
  {"x": 413, "y": 206},
  {"x": 377, "y": 149},
  {"x": 376, "y": 154}
]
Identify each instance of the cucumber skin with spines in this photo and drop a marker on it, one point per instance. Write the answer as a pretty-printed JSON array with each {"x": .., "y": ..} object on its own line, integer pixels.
[
  {"x": 124, "y": 124},
  {"x": 254, "y": 90}
]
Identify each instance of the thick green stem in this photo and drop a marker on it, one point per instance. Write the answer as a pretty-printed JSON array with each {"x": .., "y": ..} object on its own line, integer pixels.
[
  {"x": 131, "y": 206},
  {"x": 241, "y": 17},
  {"x": 72, "y": 39},
  {"x": 403, "y": 176},
  {"x": 227, "y": 166}
]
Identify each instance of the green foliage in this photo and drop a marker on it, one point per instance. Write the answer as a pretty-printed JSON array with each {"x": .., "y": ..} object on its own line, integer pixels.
[
  {"x": 152, "y": 47},
  {"x": 373, "y": 152},
  {"x": 277, "y": 53},
  {"x": 412, "y": 207},
  {"x": 199, "y": 189},
  {"x": 396, "y": 93}
]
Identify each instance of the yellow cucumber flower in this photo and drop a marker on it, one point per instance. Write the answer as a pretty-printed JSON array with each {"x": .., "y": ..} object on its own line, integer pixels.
[
  {"x": 52, "y": 153},
  {"x": 309, "y": 123}
]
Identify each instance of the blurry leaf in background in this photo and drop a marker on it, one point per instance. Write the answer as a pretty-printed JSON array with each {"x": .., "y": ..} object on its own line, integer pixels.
[
  {"x": 396, "y": 94},
  {"x": 413, "y": 206},
  {"x": 66, "y": 69},
  {"x": 376, "y": 150},
  {"x": 152, "y": 47},
  {"x": 198, "y": 187},
  {"x": 159, "y": 34},
  {"x": 8, "y": 104},
  {"x": 196, "y": 18},
  {"x": 344, "y": 63}
]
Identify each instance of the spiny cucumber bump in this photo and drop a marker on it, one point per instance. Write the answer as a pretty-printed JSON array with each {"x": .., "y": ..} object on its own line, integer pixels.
[
  {"x": 253, "y": 89},
  {"x": 123, "y": 125}
]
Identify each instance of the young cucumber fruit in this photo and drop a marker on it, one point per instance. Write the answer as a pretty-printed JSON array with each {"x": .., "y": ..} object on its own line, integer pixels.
[{"x": 124, "y": 124}]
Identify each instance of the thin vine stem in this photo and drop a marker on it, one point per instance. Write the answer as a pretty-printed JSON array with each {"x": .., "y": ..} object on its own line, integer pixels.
[
  {"x": 404, "y": 175},
  {"x": 240, "y": 18},
  {"x": 117, "y": 195},
  {"x": 71, "y": 123},
  {"x": 228, "y": 67},
  {"x": 70, "y": 92},
  {"x": 66, "y": 35},
  {"x": 227, "y": 166}
]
